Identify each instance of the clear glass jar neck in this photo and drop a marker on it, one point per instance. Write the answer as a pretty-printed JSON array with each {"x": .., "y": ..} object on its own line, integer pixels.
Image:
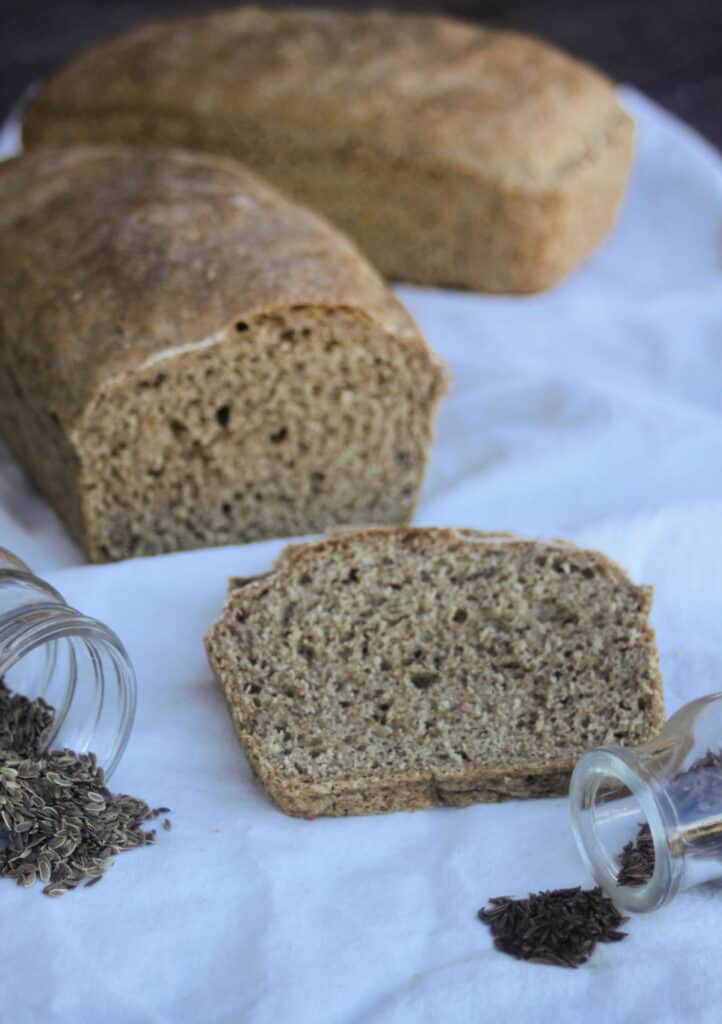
[
  {"x": 78, "y": 665},
  {"x": 661, "y": 803}
]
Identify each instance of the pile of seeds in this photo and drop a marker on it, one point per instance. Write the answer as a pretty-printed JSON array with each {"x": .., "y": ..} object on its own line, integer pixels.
[
  {"x": 697, "y": 794},
  {"x": 24, "y": 724},
  {"x": 564, "y": 925},
  {"x": 59, "y": 822},
  {"x": 560, "y": 926},
  {"x": 636, "y": 861}
]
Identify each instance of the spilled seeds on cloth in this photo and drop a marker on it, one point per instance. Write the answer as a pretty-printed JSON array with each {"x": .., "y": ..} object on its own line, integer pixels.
[
  {"x": 59, "y": 823},
  {"x": 560, "y": 926}
]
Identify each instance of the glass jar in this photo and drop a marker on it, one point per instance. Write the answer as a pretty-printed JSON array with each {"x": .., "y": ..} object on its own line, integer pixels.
[
  {"x": 648, "y": 819},
  {"x": 78, "y": 665}
]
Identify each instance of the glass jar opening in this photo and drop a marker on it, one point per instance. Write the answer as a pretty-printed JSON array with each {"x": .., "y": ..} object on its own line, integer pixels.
[
  {"x": 620, "y": 832},
  {"x": 81, "y": 670}
]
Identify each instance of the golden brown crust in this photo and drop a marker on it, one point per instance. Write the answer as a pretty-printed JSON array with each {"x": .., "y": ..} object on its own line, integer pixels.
[
  {"x": 375, "y": 119},
  {"x": 520, "y": 109},
  {"x": 123, "y": 268},
  {"x": 116, "y": 254},
  {"x": 393, "y": 788}
]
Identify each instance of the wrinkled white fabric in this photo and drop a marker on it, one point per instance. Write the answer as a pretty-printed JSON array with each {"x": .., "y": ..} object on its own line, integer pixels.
[{"x": 592, "y": 412}]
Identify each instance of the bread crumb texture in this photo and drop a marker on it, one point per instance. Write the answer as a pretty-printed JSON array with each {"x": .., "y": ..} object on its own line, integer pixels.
[{"x": 394, "y": 669}]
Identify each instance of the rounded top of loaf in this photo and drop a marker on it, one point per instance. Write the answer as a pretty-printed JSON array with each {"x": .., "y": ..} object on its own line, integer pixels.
[
  {"x": 519, "y": 108},
  {"x": 115, "y": 255}
]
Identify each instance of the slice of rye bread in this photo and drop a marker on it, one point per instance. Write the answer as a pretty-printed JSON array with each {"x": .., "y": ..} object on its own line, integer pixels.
[{"x": 391, "y": 669}]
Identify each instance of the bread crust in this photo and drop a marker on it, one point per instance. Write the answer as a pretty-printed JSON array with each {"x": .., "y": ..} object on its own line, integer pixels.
[
  {"x": 395, "y": 788},
  {"x": 118, "y": 262},
  {"x": 375, "y": 119}
]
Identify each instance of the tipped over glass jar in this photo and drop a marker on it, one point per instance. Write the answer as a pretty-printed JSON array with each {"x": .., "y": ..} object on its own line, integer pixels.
[
  {"x": 75, "y": 663},
  {"x": 648, "y": 819}
]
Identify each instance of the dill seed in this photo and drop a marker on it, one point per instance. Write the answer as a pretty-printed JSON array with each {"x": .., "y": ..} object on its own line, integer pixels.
[
  {"x": 23, "y": 723},
  {"x": 61, "y": 825}
]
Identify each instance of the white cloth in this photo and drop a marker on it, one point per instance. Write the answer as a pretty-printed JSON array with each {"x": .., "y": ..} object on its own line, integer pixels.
[{"x": 592, "y": 412}]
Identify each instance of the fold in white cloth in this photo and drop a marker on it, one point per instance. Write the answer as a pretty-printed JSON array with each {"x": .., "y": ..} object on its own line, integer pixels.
[{"x": 592, "y": 412}]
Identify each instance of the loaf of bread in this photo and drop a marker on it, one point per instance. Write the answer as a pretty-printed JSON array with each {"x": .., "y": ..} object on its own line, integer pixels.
[
  {"x": 452, "y": 154},
  {"x": 188, "y": 359},
  {"x": 393, "y": 669}
]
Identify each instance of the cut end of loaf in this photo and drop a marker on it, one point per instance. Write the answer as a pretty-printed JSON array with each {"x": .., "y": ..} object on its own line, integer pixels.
[
  {"x": 283, "y": 425},
  {"x": 402, "y": 668}
]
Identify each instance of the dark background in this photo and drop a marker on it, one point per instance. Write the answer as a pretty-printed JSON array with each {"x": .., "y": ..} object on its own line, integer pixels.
[{"x": 670, "y": 50}]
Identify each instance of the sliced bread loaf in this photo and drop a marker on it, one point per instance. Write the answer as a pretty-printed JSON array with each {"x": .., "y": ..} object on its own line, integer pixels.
[
  {"x": 393, "y": 669},
  {"x": 452, "y": 154},
  {"x": 188, "y": 359}
]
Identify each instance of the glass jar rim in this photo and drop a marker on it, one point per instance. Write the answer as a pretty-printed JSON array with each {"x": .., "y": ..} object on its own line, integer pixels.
[
  {"x": 622, "y": 765},
  {"x": 52, "y": 620}
]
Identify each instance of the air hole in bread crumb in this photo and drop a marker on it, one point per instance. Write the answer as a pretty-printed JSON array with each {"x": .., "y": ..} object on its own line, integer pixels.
[
  {"x": 241, "y": 326},
  {"x": 154, "y": 382},
  {"x": 288, "y": 335},
  {"x": 223, "y": 415},
  {"x": 352, "y": 576},
  {"x": 278, "y": 435},
  {"x": 178, "y": 429},
  {"x": 307, "y": 652},
  {"x": 460, "y": 615},
  {"x": 589, "y": 573},
  {"x": 423, "y": 681}
]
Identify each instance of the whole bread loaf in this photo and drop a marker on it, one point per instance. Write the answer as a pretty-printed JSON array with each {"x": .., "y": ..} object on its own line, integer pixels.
[
  {"x": 452, "y": 154},
  {"x": 188, "y": 359},
  {"x": 393, "y": 669}
]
